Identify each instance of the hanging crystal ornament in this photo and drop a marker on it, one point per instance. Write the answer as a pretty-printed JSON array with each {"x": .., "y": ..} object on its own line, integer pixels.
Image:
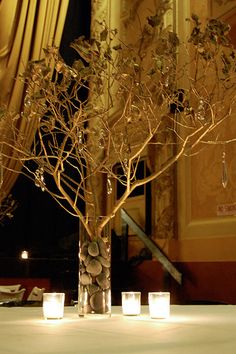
[
  {"x": 125, "y": 166},
  {"x": 80, "y": 140},
  {"x": 166, "y": 83},
  {"x": 200, "y": 113},
  {"x": 134, "y": 113},
  {"x": 1, "y": 171},
  {"x": 224, "y": 178},
  {"x": 126, "y": 151},
  {"x": 27, "y": 101},
  {"x": 39, "y": 178},
  {"x": 80, "y": 137},
  {"x": 101, "y": 139},
  {"x": 73, "y": 72},
  {"x": 109, "y": 185},
  {"x": 165, "y": 75}
]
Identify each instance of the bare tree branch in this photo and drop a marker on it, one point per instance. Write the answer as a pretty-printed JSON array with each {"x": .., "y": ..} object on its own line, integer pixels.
[{"x": 80, "y": 141}]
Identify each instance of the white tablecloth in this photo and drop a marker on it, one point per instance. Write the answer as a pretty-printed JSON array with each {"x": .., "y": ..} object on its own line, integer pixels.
[{"x": 189, "y": 330}]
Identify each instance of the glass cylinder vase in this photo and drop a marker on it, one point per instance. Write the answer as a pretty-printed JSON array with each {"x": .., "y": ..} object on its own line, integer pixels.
[{"x": 94, "y": 287}]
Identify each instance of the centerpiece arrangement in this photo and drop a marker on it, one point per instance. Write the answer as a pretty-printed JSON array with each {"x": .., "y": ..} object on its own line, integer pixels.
[{"x": 118, "y": 103}]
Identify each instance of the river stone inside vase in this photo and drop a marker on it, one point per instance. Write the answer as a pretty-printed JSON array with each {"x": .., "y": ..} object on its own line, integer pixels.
[{"x": 94, "y": 277}]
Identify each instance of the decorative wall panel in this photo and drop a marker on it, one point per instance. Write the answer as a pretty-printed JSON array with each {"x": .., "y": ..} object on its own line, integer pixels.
[{"x": 200, "y": 190}]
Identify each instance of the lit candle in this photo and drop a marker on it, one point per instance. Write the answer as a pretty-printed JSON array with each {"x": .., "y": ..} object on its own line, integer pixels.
[
  {"x": 159, "y": 304},
  {"x": 24, "y": 254},
  {"x": 131, "y": 303},
  {"x": 53, "y": 305}
]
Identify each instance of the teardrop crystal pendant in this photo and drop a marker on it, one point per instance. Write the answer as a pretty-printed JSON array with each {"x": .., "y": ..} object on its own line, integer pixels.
[
  {"x": 1, "y": 170},
  {"x": 200, "y": 113},
  {"x": 224, "y": 178},
  {"x": 109, "y": 185},
  {"x": 39, "y": 178}
]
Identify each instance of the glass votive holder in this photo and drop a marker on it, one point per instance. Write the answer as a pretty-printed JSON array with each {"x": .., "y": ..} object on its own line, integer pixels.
[
  {"x": 159, "y": 304},
  {"x": 131, "y": 303},
  {"x": 53, "y": 305}
]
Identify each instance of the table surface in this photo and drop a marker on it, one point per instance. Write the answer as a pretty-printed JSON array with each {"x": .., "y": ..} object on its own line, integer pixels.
[{"x": 197, "y": 329}]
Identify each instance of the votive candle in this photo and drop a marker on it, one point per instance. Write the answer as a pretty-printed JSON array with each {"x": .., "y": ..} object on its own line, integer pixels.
[
  {"x": 53, "y": 305},
  {"x": 159, "y": 304},
  {"x": 131, "y": 303}
]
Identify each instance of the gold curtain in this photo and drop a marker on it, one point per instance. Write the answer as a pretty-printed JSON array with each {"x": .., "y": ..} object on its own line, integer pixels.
[{"x": 26, "y": 27}]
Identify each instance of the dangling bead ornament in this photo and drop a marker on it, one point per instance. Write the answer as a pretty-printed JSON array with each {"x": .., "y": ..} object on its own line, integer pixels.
[
  {"x": 1, "y": 170},
  {"x": 27, "y": 101},
  {"x": 109, "y": 185},
  {"x": 166, "y": 83},
  {"x": 125, "y": 166},
  {"x": 224, "y": 178},
  {"x": 80, "y": 140},
  {"x": 200, "y": 113},
  {"x": 39, "y": 178},
  {"x": 101, "y": 140}
]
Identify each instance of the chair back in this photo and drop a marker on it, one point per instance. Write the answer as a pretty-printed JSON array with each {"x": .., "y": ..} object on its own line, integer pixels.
[
  {"x": 8, "y": 295},
  {"x": 36, "y": 294}
]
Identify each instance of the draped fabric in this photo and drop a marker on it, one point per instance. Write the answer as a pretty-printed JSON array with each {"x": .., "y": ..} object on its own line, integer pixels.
[{"x": 26, "y": 28}]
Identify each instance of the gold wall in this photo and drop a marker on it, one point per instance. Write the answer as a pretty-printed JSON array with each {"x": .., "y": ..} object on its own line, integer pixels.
[
  {"x": 204, "y": 234},
  {"x": 200, "y": 233}
]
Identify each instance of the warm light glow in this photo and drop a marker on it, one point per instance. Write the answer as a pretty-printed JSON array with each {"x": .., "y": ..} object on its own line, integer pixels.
[
  {"x": 24, "y": 254},
  {"x": 53, "y": 305},
  {"x": 159, "y": 304},
  {"x": 131, "y": 303}
]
